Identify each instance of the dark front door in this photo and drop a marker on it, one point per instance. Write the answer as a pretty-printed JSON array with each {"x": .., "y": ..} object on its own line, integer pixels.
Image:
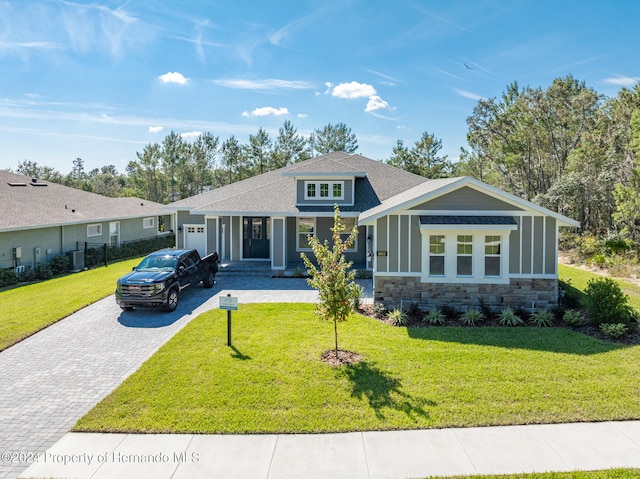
[{"x": 256, "y": 237}]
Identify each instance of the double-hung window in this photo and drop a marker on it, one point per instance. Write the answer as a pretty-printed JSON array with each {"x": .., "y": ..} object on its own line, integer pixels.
[
  {"x": 436, "y": 255},
  {"x": 492, "y": 255},
  {"x": 465, "y": 255},
  {"x": 324, "y": 190},
  {"x": 306, "y": 228}
]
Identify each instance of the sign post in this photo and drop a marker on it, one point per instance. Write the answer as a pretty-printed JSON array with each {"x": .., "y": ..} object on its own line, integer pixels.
[{"x": 229, "y": 304}]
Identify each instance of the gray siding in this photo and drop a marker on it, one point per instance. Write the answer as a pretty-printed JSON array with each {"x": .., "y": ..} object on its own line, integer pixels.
[
  {"x": 57, "y": 240},
  {"x": 236, "y": 246},
  {"x": 468, "y": 199},
  {"x": 277, "y": 241},
  {"x": 212, "y": 240},
  {"x": 538, "y": 245},
  {"x": 514, "y": 248},
  {"x": 381, "y": 245},
  {"x": 347, "y": 194},
  {"x": 392, "y": 254},
  {"x": 525, "y": 255},
  {"x": 185, "y": 218},
  {"x": 551, "y": 263},
  {"x": 416, "y": 245}
]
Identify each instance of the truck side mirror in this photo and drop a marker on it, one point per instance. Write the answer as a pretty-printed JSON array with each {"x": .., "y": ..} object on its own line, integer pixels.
[{"x": 181, "y": 269}]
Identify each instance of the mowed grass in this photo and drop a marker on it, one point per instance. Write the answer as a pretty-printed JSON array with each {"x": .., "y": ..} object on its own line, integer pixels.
[
  {"x": 273, "y": 380},
  {"x": 24, "y": 310},
  {"x": 606, "y": 474}
]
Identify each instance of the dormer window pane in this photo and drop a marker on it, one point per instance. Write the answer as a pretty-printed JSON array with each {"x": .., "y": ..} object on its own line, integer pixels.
[
  {"x": 311, "y": 190},
  {"x": 337, "y": 190},
  {"x": 324, "y": 190}
]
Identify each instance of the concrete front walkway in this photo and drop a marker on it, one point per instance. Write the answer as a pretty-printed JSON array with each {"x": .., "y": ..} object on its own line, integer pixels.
[
  {"x": 361, "y": 455},
  {"x": 53, "y": 378}
]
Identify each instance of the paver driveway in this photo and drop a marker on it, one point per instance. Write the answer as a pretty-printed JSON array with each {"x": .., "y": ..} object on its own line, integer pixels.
[{"x": 53, "y": 378}]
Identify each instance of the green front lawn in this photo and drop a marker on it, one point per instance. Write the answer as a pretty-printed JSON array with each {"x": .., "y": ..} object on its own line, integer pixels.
[
  {"x": 273, "y": 380},
  {"x": 30, "y": 308}
]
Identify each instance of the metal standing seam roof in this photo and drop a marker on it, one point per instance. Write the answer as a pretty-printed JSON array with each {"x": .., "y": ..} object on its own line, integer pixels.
[{"x": 467, "y": 220}]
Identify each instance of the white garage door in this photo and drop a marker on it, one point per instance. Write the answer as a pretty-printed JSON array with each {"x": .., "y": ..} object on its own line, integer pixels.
[{"x": 196, "y": 238}]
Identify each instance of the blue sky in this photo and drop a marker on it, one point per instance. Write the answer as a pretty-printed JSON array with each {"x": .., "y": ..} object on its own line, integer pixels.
[{"x": 99, "y": 80}]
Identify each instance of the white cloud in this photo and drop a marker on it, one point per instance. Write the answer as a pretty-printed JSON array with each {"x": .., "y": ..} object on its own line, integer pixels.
[
  {"x": 267, "y": 84},
  {"x": 353, "y": 90},
  {"x": 191, "y": 134},
  {"x": 302, "y": 115},
  {"x": 468, "y": 94},
  {"x": 266, "y": 111},
  {"x": 622, "y": 81},
  {"x": 173, "y": 77},
  {"x": 376, "y": 103},
  {"x": 156, "y": 129}
]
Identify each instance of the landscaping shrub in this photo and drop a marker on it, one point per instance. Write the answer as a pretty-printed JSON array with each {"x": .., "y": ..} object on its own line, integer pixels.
[
  {"x": 472, "y": 317},
  {"x": 606, "y": 303},
  {"x": 398, "y": 317},
  {"x": 614, "y": 330},
  {"x": 7, "y": 277},
  {"x": 542, "y": 319},
  {"x": 449, "y": 312},
  {"x": 59, "y": 264},
  {"x": 573, "y": 318},
  {"x": 434, "y": 317},
  {"x": 569, "y": 295},
  {"x": 486, "y": 310},
  {"x": 379, "y": 310},
  {"x": 508, "y": 317},
  {"x": 44, "y": 272}
]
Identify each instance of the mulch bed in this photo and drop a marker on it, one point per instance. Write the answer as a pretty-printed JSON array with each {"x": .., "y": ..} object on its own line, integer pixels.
[
  {"x": 415, "y": 320},
  {"x": 344, "y": 357}
]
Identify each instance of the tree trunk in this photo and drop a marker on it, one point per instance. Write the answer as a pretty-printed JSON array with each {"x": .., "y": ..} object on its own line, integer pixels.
[{"x": 335, "y": 330}]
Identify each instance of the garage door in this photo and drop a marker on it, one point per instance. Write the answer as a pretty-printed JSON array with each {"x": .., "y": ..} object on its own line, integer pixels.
[{"x": 196, "y": 238}]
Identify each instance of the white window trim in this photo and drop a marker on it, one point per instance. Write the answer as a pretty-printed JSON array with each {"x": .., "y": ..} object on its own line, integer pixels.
[
  {"x": 451, "y": 256},
  {"x": 148, "y": 223},
  {"x": 317, "y": 197},
  {"x": 99, "y": 228},
  {"x": 315, "y": 231}
]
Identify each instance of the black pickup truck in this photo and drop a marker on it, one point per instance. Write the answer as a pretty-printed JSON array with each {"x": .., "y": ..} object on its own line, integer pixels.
[{"x": 160, "y": 278}]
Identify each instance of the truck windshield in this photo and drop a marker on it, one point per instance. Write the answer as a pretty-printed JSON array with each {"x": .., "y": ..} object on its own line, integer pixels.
[{"x": 157, "y": 263}]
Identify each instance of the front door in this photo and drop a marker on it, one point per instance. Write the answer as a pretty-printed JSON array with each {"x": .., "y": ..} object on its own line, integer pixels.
[{"x": 256, "y": 237}]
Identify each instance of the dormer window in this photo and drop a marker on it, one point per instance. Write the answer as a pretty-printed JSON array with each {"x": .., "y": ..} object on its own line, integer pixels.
[{"x": 324, "y": 190}]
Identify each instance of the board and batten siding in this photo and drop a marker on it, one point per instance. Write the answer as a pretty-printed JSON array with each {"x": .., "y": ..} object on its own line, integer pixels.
[
  {"x": 532, "y": 246},
  {"x": 398, "y": 244}
]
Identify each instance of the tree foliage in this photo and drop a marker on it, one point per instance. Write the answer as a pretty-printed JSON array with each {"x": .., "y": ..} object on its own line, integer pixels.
[
  {"x": 422, "y": 158},
  {"x": 332, "y": 138},
  {"x": 333, "y": 276}
]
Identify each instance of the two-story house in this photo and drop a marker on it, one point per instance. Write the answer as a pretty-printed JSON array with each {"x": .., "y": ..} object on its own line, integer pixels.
[{"x": 439, "y": 242}]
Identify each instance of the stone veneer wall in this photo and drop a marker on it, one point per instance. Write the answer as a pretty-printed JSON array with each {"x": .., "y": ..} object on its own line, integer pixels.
[{"x": 523, "y": 293}]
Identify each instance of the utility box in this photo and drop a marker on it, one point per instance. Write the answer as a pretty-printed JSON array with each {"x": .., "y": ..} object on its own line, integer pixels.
[
  {"x": 76, "y": 260},
  {"x": 17, "y": 252}
]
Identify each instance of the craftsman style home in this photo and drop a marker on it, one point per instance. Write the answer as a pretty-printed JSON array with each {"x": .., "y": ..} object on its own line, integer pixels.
[
  {"x": 453, "y": 241},
  {"x": 40, "y": 220}
]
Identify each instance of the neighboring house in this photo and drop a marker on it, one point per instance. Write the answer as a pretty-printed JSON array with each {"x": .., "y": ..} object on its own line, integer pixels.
[
  {"x": 40, "y": 220},
  {"x": 453, "y": 241}
]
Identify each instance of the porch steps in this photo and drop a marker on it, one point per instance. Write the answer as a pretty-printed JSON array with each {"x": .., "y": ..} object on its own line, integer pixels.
[{"x": 246, "y": 268}]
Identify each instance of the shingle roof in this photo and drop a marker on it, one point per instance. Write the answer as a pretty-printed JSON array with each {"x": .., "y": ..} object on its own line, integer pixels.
[
  {"x": 28, "y": 204},
  {"x": 274, "y": 191}
]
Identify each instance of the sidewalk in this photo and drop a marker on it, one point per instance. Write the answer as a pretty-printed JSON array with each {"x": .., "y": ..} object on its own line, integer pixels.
[{"x": 382, "y": 454}]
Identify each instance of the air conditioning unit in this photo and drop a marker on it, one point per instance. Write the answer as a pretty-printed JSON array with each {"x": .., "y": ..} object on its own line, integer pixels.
[
  {"x": 76, "y": 260},
  {"x": 19, "y": 269}
]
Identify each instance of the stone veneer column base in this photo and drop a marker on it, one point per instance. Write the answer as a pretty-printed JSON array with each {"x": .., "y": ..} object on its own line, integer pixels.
[{"x": 527, "y": 293}]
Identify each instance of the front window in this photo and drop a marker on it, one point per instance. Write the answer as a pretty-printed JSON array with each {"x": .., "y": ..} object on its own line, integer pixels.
[
  {"x": 148, "y": 223},
  {"x": 325, "y": 190},
  {"x": 492, "y": 255},
  {"x": 465, "y": 255},
  {"x": 94, "y": 230},
  {"x": 436, "y": 255},
  {"x": 349, "y": 224},
  {"x": 306, "y": 228}
]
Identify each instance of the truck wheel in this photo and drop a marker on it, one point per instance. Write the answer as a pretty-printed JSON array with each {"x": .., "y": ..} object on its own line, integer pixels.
[
  {"x": 126, "y": 308},
  {"x": 172, "y": 301},
  {"x": 210, "y": 280}
]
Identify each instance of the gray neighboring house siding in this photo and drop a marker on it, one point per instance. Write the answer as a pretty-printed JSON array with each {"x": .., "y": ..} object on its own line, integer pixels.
[
  {"x": 397, "y": 214},
  {"x": 50, "y": 219}
]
